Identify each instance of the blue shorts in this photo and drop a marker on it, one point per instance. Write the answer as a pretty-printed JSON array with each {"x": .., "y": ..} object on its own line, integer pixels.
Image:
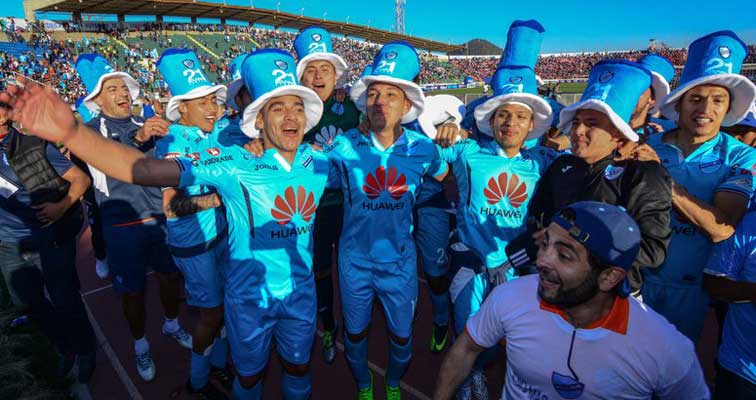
[
  {"x": 683, "y": 306},
  {"x": 432, "y": 238},
  {"x": 132, "y": 249},
  {"x": 468, "y": 287},
  {"x": 291, "y": 322},
  {"x": 203, "y": 276},
  {"x": 395, "y": 284}
]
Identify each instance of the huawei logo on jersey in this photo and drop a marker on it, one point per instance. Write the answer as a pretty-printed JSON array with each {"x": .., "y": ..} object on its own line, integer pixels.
[
  {"x": 393, "y": 182},
  {"x": 508, "y": 186},
  {"x": 292, "y": 203}
]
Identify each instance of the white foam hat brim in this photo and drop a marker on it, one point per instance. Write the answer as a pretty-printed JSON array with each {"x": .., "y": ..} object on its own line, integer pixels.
[
  {"x": 413, "y": 92},
  {"x": 171, "y": 110},
  {"x": 130, "y": 82},
  {"x": 661, "y": 90},
  {"x": 438, "y": 109},
  {"x": 233, "y": 90},
  {"x": 339, "y": 65},
  {"x": 312, "y": 104},
  {"x": 568, "y": 113},
  {"x": 540, "y": 107},
  {"x": 742, "y": 96}
]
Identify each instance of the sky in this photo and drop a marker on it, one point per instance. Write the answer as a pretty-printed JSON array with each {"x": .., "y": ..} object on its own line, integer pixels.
[{"x": 571, "y": 25}]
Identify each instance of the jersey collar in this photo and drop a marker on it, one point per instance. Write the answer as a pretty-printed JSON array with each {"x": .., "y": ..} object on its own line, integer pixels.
[{"x": 615, "y": 320}]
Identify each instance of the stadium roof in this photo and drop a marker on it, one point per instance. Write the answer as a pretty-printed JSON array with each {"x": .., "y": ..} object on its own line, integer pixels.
[{"x": 198, "y": 9}]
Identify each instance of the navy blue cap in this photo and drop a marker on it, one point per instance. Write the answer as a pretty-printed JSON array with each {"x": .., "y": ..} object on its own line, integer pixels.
[{"x": 607, "y": 231}]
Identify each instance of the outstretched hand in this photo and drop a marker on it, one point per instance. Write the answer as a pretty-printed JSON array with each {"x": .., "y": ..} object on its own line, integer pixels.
[{"x": 39, "y": 111}]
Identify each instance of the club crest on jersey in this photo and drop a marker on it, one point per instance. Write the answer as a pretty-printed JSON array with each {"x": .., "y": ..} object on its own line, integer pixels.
[
  {"x": 188, "y": 63},
  {"x": 710, "y": 163},
  {"x": 612, "y": 172},
  {"x": 281, "y": 64},
  {"x": 606, "y": 77},
  {"x": 316, "y": 37},
  {"x": 300, "y": 202},
  {"x": 724, "y": 51},
  {"x": 379, "y": 181},
  {"x": 213, "y": 151}
]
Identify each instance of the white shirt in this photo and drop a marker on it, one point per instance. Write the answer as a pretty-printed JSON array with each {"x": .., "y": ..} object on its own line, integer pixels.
[{"x": 632, "y": 353}]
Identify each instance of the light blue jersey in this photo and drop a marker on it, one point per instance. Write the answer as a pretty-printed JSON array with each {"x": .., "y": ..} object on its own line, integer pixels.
[
  {"x": 380, "y": 188},
  {"x": 735, "y": 259},
  {"x": 494, "y": 192},
  {"x": 722, "y": 164},
  {"x": 199, "y": 229},
  {"x": 270, "y": 206}
]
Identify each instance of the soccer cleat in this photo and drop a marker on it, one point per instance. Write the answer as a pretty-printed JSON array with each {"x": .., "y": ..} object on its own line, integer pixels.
[
  {"x": 180, "y": 336},
  {"x": 479, "y": 388},
  {"x": 145, "y": 366},
  {"x": 393, "y": 392},
  {"x": 366, "y": 393},
  {"x": 101, "y": 268},
  {"x": 209, "y": 392},
  {"x": 439, "y": 338},
  {"x": 329, "y": 346}
]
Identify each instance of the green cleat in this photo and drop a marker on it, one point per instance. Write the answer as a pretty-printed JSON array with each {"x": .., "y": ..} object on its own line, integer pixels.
[
  {"x": 366, "y": 393},
  {"x": 439, "y": 338},
  {"x": 393, "y": 393}
]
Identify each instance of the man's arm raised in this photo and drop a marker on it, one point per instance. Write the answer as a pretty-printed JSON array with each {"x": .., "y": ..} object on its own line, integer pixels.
[{"x": 40, "y": 111}]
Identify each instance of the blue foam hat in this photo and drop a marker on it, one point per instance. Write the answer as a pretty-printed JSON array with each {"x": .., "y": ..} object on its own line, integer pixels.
[
  {"x": 270, "y": 73},
  {"x": 715, "y": 59},
  {"x": 236, "y": 81},
  {"x": 94, "y": 70},
  {"x": 314, "y": 43},
  {"x": 523, "y": 44},
  {"x": 85, "y": 113},
  {"x": 607, "y": 231},
  {"x": 662, "y": 73},
  {"x": 515, "y": 84},
  {"x": 614, "y": 87},
  {"x": 398, "y": 64},
  {"x": 186, "y": 80}
]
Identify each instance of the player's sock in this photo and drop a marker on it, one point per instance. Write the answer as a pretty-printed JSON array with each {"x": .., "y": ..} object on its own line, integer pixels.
[
  {"x": 356, "y": 355},
  {"x": 399, "y": 358},
  {"x": 220, "y": 352},
  {"x": 324, "y": 290},
  {"x": 141, "y": 346},
  {"x": 296, "y": 387},
  {"x": 171, "y": 325},
  {"x": 440, "y": 308},
  {"x": 199, "y": 369},
  {"x": 240, "y": 393}
]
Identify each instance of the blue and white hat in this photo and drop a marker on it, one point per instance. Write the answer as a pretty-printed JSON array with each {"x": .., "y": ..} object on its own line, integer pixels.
[
  {"x": 440, "y": 109},
  {"x": 314, "y": 43},
  {"x": 270, "y": 73},
  {"x": 662, "y": 73},
  {"x": 186, "y": 80},
  {"x": 94, "y": 69},
  {"x": 236, "y": 81},
  {"x": 396, "y": 64},
  {"x": 614, "y": 87},
  {"x": 715, "y": 59},
  {"x": 358, "y": 85},
  {"x": 85, "y": 113},
  {"x": 523, "y": 46},
  {"x": 515, "y": 84}
]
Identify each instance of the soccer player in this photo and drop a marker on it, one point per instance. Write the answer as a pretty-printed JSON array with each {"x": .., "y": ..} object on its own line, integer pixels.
[
  {"x": 712, "y": 173},
  {"x": 730, "y": 276},
  {"x": 380, "y": 174},
  {"x": 573, "y": 331},
  {"x": 132, "y": 215},
  {"x": 196, "y": 222},
  {"x": 325, "y": 72}
]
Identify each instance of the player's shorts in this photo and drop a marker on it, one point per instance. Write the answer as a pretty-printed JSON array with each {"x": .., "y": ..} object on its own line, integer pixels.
[
  {"x": 395, "y": 284},
  {"x": 132, "y": 249},
  {"x": 683, "y": 306},
  {"x": 203, "y": 275},
  {"x": 290, "y": 322},
  {"x": 432, "y": 238}
]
